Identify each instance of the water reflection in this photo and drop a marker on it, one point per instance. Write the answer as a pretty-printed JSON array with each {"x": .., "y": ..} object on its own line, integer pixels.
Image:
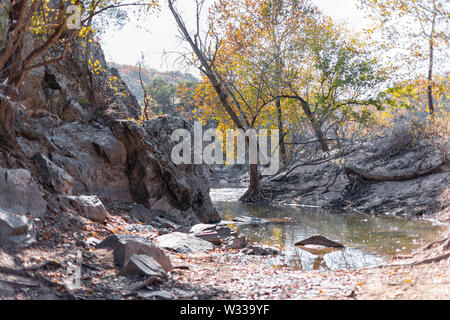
[{"x": 369, "y": 240}]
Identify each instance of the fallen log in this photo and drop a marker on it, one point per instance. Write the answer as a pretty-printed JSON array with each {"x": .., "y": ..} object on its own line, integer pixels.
[{"x": 402, "y": 177}]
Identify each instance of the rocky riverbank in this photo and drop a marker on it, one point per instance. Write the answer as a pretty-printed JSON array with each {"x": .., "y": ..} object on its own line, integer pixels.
[
  {"x": 91, "y": 206},
  {"x": 125, "y": 259}
]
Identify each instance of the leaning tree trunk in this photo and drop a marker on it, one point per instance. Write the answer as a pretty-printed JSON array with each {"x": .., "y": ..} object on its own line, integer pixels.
[
  {"x": 315, "y": 125},
  {"x": 430, "y": 69}
]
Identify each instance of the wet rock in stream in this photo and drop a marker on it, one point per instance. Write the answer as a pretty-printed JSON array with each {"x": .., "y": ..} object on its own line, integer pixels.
[
  {"x": 260, "y": 250},
  {"x": 321, "y": 241}
]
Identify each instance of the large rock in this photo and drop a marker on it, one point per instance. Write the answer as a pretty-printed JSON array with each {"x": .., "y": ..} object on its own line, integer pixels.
[
  {"x": 93, "y": 157},
  {"x": 125, "y": 246},
  {"x": 213, "y": 233},
  {"x": 19, "y": 194},
  {"x": 89, "y": 206},
  {"x": 90, "y": 153},
  {"x": 144, "y": 266},
  {"x": 182, "y": 192},
  {"x": 78, "y": 123},
  {"x": 14, "y": 228},
  {"x": 53, "y": 176},
  {"x": 183, "y": 243}
]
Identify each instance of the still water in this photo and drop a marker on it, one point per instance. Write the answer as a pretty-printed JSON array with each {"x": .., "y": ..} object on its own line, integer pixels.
[{"x": 369, "y": 240}]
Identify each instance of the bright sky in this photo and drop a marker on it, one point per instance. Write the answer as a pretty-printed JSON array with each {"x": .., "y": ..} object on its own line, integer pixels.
[{"x": 125, "y": 46}]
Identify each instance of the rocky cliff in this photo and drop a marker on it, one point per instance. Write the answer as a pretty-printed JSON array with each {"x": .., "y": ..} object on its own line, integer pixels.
[{"x": 79, "y": 153}]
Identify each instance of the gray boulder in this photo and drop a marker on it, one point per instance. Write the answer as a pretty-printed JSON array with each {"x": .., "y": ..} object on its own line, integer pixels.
[
  {"x": 93, "y": 157},
  {"x": 14, "y": 228},
  {"x": 213, "y": 233},
  {"x": 19, "y": 194},
  {"x": 183, "y": 243},
  {"x": 88, "y": 206},
  {"x": 125, "y": 246}
]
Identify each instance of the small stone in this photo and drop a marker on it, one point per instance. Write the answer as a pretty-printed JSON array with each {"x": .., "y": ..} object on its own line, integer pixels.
[
  {"x": 91, "y": 242},
  {"x": 250, "y": 220},
  {"x": 319, "y": 240},
  {"x": 238, "y": 242},
  {"x": 260, "y": 251},
  {"x": 164, "y": 223},
  {"x": 156, "y": 295}
]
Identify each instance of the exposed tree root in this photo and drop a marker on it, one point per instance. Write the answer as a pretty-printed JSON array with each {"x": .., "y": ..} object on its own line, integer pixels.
[
  {"x": 255, "y": 196},
  {"x": 431, "y": 260},
  {"x": 403, "y": 177}
]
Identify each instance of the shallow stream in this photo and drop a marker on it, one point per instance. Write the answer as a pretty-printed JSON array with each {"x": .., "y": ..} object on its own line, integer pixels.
[{"x": 369, "y": 240}]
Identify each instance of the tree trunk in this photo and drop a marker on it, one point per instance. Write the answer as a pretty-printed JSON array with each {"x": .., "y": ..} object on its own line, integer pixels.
[
  {"x": 7, "y": 117},
  {"x": 430, "y": 69},
  {"x": 316, "y": 127},
  {"x": 281, "y": 129},
  {"x": 254, "y": 193},
  {"x": 8, "y": 141}
]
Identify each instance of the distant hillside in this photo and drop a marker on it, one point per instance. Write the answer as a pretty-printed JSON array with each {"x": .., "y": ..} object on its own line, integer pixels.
[{"x": 130, "y": 74}]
